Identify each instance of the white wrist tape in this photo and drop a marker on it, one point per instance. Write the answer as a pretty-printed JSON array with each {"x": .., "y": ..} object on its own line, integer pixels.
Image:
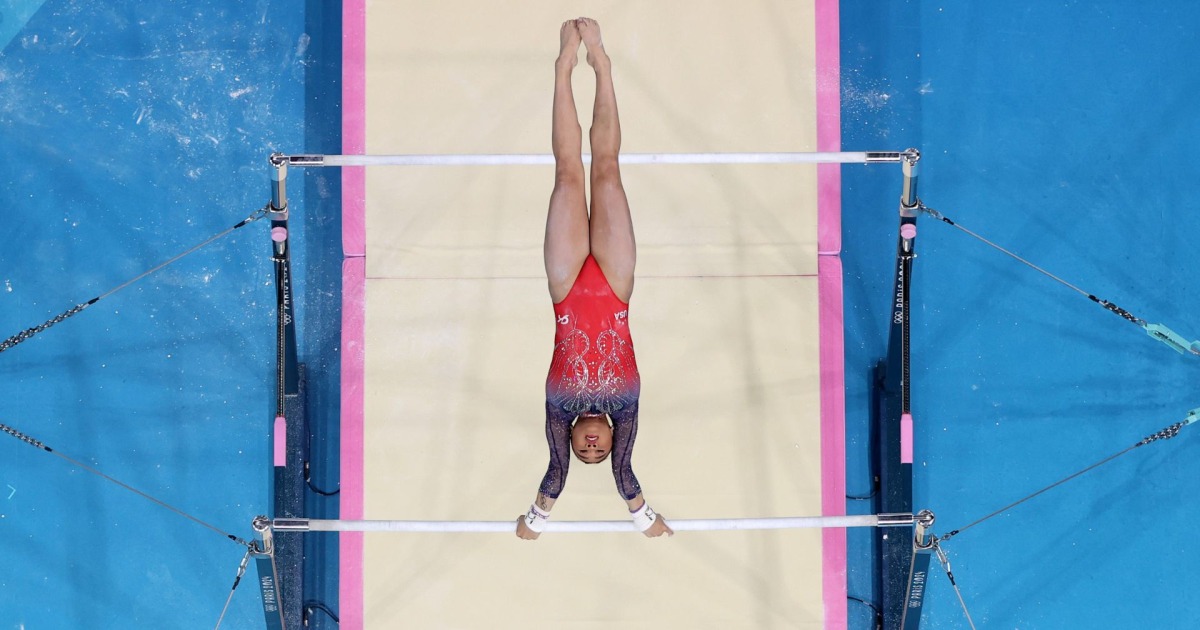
[
  {"x": 643, "y": 517},
  {"x": 535, "y": 519}
]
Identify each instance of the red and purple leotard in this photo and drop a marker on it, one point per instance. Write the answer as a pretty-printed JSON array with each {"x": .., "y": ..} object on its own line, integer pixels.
[{"x": 593, "y": 371}]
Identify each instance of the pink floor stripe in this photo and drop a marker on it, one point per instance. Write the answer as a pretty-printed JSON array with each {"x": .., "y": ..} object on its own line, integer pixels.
[
  {"x": 833, "y": 440},
  {"x": 354, "y": 125},
  {"x": 351, "y": 544},
  {"x": 829, "y": 268},
  {"x": 354, "y": 274}
]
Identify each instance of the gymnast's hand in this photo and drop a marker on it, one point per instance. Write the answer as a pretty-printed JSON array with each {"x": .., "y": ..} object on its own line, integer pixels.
[
  {"x": 658, "y": 528},
  {"x": 523, "y": 531}
]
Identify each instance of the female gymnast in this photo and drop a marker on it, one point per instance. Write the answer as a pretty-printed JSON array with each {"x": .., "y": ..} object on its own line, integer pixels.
[{"x": 589, "y": 266}]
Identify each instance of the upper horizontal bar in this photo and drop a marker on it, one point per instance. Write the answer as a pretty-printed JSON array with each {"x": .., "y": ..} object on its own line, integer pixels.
[
  {"x": 802, "y": 522},
  {"x": 847, "y": 157}
]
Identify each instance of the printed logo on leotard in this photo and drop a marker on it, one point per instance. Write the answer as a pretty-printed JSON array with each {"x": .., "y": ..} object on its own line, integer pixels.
[
  {"x": 564, "y": 320},
  {"x": 621, "y": 315},
  {"x": 593, "y": 377}
]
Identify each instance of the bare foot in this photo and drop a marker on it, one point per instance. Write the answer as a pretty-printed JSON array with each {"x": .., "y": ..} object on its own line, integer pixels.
[
  {"x": 568, "y": 37},
  {"x": 589, "y": 31}
]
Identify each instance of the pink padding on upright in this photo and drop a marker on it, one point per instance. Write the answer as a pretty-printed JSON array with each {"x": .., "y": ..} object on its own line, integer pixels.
[
  {"x": 280, "y": 434},
  {"x": 354, "y": 290},
  {"x": 906, "y": 439},
  {"x": 829, "y": 272},
  {"x": 279, "y": 234},
  {"x": 354, "y": 125},
  {"x": 908, "y": 230}
]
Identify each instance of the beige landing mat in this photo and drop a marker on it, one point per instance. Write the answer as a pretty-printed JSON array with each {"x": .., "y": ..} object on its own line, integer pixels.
[
  {"x": 459, "y": 325},
  {"x": 728, "y": 428}
]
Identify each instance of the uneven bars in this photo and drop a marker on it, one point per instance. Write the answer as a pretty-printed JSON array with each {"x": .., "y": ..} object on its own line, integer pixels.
[
  {"x": 848, "y": 157},
  {"x": 685, "y": 525}
]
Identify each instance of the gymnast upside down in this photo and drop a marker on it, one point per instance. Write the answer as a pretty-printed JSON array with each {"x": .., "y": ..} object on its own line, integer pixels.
[{"x": 589, "y": 266}]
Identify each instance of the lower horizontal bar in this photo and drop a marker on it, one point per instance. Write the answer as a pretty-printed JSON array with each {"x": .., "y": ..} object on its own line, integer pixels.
[
  {"x": 685, "y": 525},
  {"x": 845, "y": 157}
]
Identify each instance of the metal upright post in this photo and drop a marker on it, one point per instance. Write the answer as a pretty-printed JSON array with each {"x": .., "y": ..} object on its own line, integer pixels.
[
  {"x": 268, "y": 575},
  {"x": 896, "y": 424},
  {"x": 288, "y": 428},
  {"x": 923, "y": 545}
]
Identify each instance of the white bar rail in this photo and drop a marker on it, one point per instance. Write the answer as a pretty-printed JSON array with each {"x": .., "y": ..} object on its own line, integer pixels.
[
  {"x": 843, "y": 157},
  {"x": 679, "y": 525}
]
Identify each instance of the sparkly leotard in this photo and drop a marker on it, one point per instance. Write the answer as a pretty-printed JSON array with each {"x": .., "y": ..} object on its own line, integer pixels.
[{"x": 593, "y": 371}]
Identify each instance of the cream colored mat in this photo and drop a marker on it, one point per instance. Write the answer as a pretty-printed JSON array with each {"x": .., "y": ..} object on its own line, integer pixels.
[{"x": 459, "y": 324}]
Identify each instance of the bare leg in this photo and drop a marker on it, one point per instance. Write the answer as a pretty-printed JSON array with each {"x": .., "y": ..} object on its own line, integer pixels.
[
  {"x": 612, "y": 228},
  {"x": 566, "y": 245}
]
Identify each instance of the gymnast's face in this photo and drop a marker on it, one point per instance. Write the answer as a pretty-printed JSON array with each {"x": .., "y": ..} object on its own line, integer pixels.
[{"x": 591, "y": 438}]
